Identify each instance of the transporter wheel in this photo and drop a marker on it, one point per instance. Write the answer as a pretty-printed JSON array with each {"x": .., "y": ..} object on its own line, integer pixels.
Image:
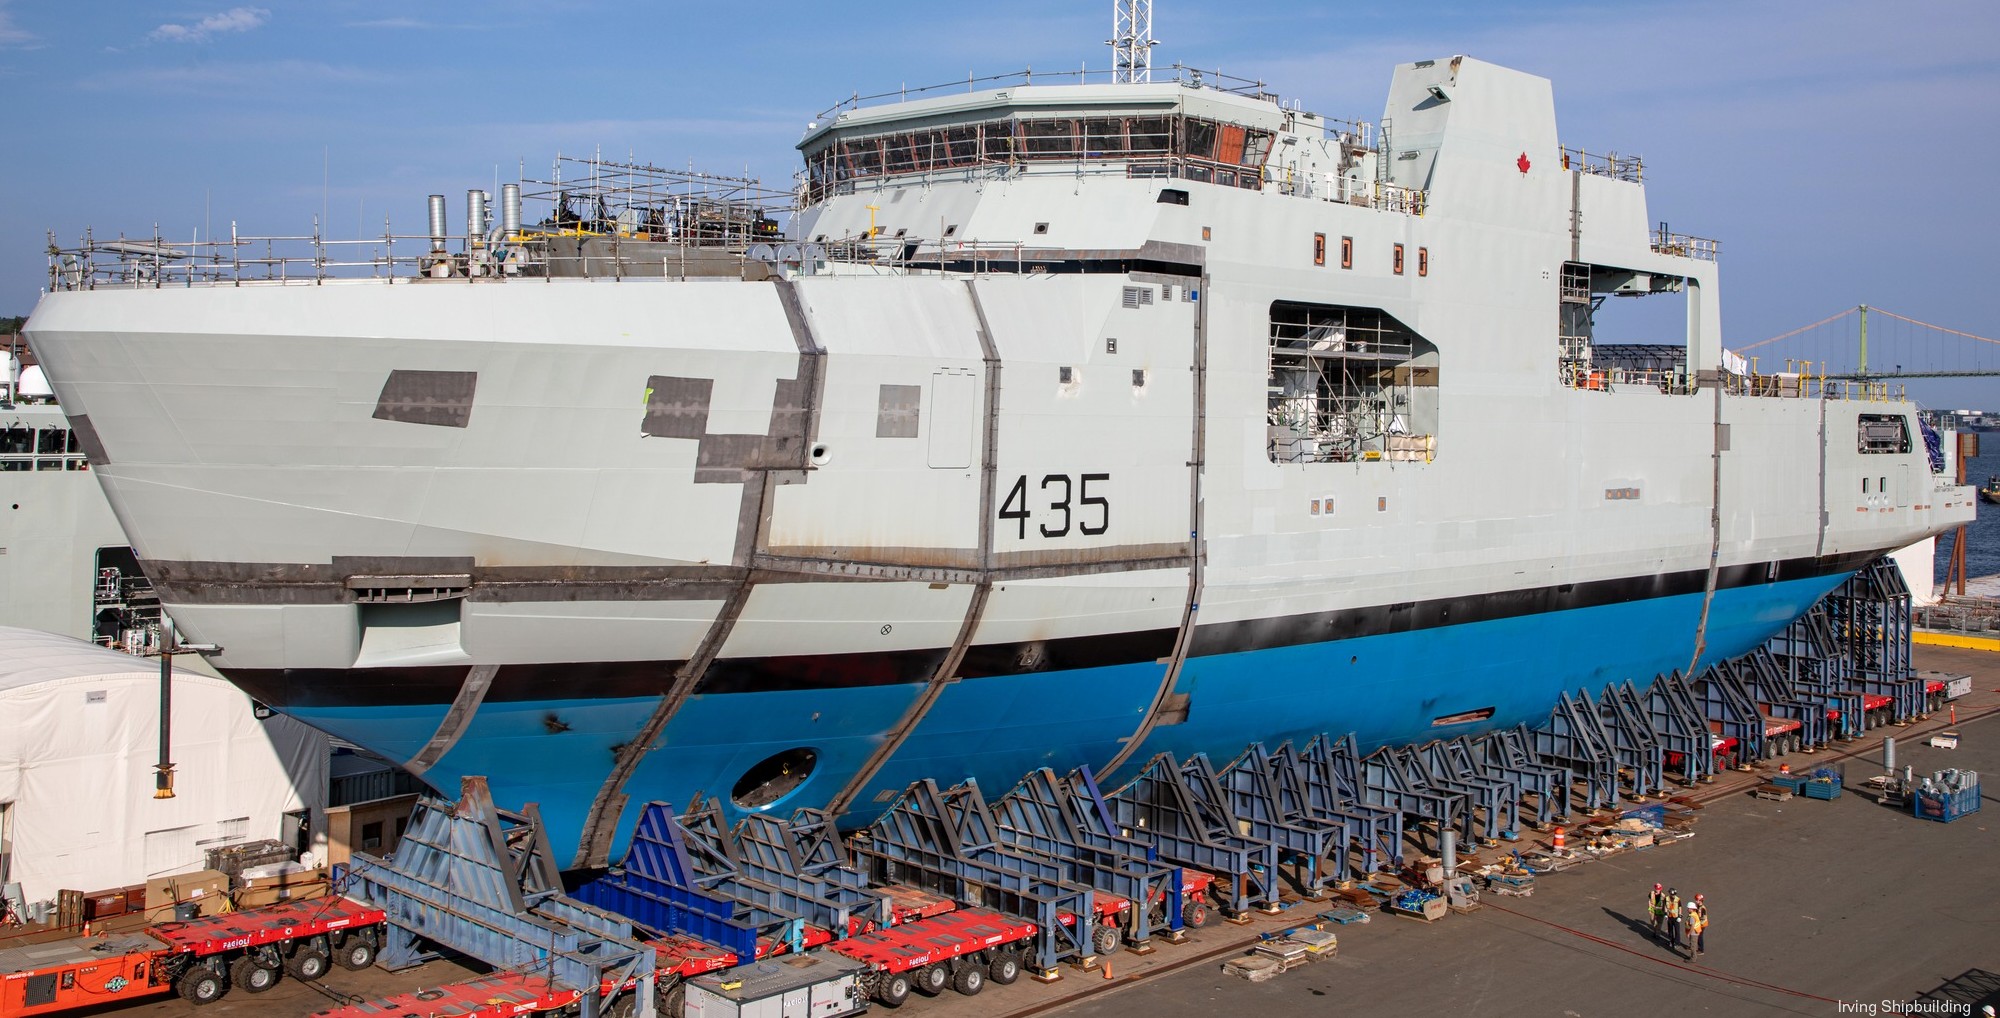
[
  {"x": 672, "y": 1003},
  {"x": 202, "y": 985},
  {"x": 356, "y": 953},
  {"x": 969, "y": 980},
  {"x": 1105, "y": 940},
  {"x": 893, "y": 990},
  {"x": 308, "y": 964},
  {"x": 1006, "y": 967},
  {"x": 930, "y": 980},
  {"x": 254, "y": 976},
  {"x": 1195, "y": 915}
]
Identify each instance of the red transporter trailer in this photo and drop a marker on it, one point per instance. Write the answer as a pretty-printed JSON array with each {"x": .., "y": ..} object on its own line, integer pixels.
[
  {"x": 960, "y": 949},
  {"x": 198, "y": 958},
  {"x": 255, "y": 947},
  {"x": 495, "y": 995}
]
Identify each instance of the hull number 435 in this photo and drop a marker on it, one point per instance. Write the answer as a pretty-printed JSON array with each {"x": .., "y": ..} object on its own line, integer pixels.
[{"x": 1062, "y": 502}]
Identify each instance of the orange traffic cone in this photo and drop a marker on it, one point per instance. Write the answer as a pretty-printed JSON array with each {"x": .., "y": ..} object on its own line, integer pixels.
[
  {"x": 1107, "y": 968},
  {"x": 1560, "y": 843}
]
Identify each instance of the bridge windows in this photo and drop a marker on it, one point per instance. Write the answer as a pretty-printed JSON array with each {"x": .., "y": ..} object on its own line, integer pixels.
[
  {"x": 1349, "y": 384},
  {"x": 25, "y": 447},
  {"x": 1161, "y": 145}
]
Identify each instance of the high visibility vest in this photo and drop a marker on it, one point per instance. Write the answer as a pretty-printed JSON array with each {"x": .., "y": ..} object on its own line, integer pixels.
[
  {"x": 1698, "y": 919},
  {"x": 1657, "y": 902},
  {"x": 1674, "y": 906}
]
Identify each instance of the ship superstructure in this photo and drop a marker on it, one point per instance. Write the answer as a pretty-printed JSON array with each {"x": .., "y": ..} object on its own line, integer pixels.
[{"x": 1073, "y": 423}]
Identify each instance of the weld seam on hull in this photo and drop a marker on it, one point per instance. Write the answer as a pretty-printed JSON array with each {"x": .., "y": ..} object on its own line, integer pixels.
[
  {"x": 1714, "y": 535},
  {"x": 947, "y": 669},
  {"x": 1198, "y": 552},
  {"x": 463, "y": 706},
  {"x": 594, "y": 845}
]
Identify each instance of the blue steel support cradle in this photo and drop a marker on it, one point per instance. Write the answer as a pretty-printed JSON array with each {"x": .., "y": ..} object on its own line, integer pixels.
[
  {"x": 1245, "y": 795},
  {"x": 1453, "y": 764},
  {"x": 1068, "y": 821},
  {"x": 1156, "y": 806},
  {"x": 1639, "y": 754},
  {"x": 482, "y": 881},
  {"x": 1772, "y": 686},
  {"x": 1670, "y": 711},
  {"x": 804, "y": 859},
  {"x": 1265, "y": 787},
  {"x": 948, "y": 841},
  {"x": 1822, "y": 670},
  {"x": 1732, "y": 713},
  {"x": 1573, "y": 737},
  {"x": 1872, "y": 610},
  {"x": 1393, "y": 777},
  {"x": 680, "y": 875},
  {"x": 1509, "y": 752},
  {"x": 1328, "y": 772},
  {"x": 1807, "y": 655}
]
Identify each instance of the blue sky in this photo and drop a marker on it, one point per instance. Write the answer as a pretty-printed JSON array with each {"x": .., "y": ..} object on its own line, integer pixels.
[{"x": 1843, "y": 152}]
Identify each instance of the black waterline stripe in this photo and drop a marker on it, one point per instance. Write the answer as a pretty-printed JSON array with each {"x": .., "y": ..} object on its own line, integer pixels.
[{"x": 364, "y": 687}]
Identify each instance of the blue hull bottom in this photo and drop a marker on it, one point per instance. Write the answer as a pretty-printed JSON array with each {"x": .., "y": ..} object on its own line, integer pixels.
[{"x": 1387, "y": 689}]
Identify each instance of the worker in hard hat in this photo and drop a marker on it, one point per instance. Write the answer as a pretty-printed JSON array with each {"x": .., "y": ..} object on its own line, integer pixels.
[
  {"x": 1697, "y": 922},
  {"x": 1656, "y": 906},
  {"x": 1674, "y": 916}
]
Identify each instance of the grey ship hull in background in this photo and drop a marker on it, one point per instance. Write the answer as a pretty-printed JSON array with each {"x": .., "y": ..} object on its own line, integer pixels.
[{"x": 65, "y": 566}]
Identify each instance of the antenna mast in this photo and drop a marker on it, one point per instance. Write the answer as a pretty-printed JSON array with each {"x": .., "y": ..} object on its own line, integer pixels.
[{"x": 1131, "y": 41}]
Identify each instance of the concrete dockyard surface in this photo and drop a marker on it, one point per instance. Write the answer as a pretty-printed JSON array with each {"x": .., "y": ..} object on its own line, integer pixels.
[{"x": 1817, "y": 907}]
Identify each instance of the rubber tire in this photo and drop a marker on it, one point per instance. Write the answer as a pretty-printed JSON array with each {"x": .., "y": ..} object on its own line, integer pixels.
[
  {"x": 969, "y": 980},
  {"x": 1106, "y": 940},
  {"x": 309, "y": 965},
  {"x": 355, "y": 954},
  {"x": 252, "y": 977},
  {"x": 673, "y": 1003},
  {"x": 202, "y": 985},
  {"x": 1195, "y": 915},
  {"x": 895, "y": 989},
  {"x": 930, "y": 980},
  {"x": 1006, "y": 968}
]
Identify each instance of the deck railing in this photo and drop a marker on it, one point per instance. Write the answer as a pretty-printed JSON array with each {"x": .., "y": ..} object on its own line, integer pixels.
[
  {"x": 1801, "y": 384},
  {"x": 392, "y": 259},
  {"x": 1190, "y": 77},
  {"x": 1685, "y": 245}
]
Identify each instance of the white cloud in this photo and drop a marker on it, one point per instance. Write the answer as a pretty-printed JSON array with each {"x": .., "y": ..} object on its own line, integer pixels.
[
  {"x": 12, "y": 35},
  {"x": 235, "y": 19}
]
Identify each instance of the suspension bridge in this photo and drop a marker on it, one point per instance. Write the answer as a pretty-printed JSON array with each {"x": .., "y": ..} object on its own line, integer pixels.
[{"x": 1866, "y": 343}]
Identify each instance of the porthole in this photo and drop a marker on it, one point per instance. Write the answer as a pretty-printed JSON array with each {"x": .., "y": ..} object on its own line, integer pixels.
[{"x": 773, "y": 778}]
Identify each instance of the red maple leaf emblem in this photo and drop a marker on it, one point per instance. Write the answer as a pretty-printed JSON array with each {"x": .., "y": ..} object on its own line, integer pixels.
[{"x": 1523, "y": 162}]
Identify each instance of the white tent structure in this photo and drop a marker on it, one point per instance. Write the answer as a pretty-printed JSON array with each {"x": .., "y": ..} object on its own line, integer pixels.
[{"x": 79, "y": 737}]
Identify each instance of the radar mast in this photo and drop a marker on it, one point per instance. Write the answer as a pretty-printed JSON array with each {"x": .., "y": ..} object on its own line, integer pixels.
[{"x": 1132, "y": 41}]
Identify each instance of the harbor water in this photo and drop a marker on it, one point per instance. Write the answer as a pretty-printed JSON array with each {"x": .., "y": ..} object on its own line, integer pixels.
[{"x": 1982, "y": 536}]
